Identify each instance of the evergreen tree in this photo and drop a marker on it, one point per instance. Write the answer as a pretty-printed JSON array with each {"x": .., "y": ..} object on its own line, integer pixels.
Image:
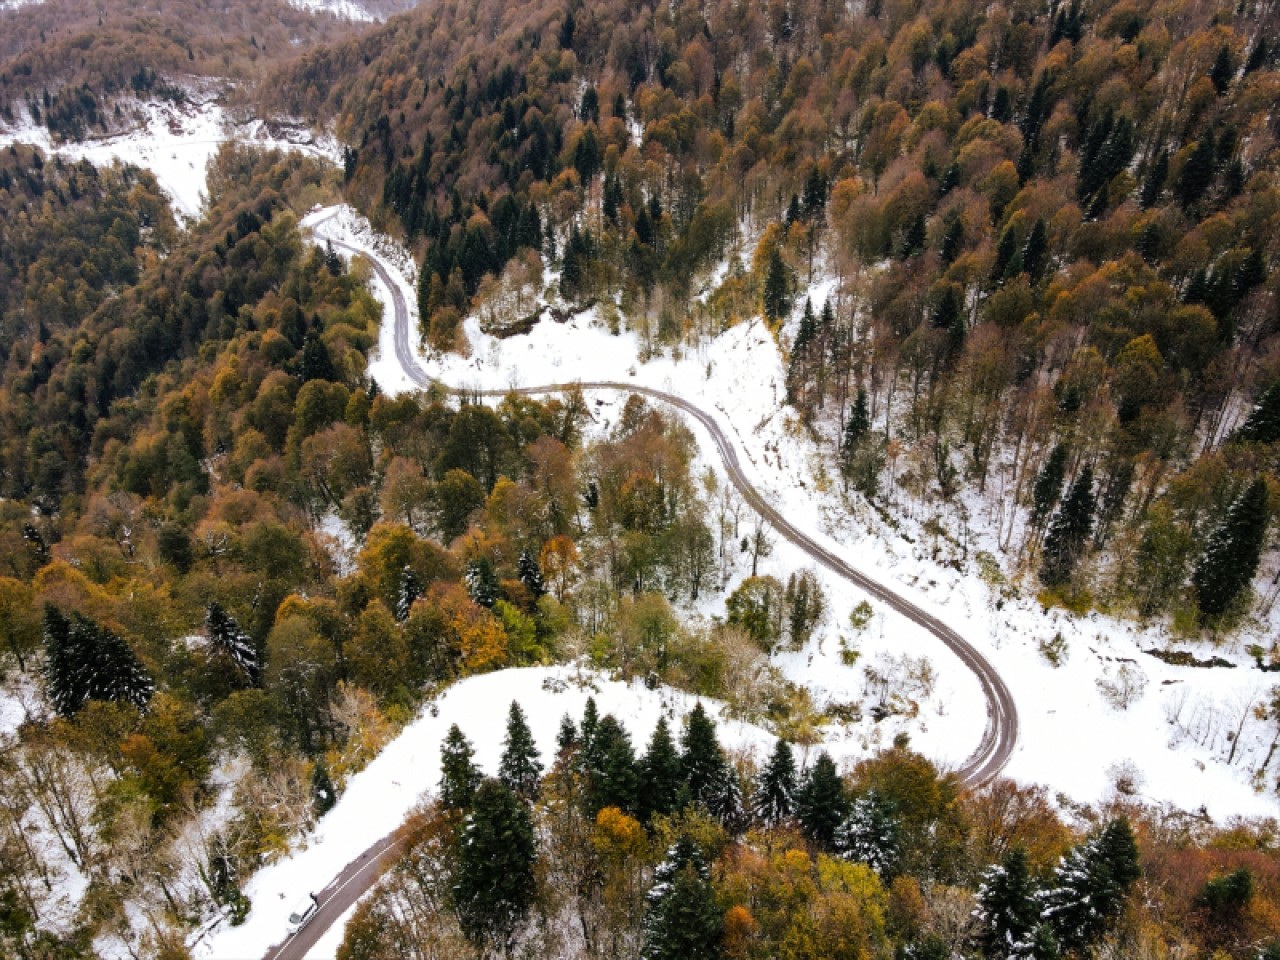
[
  {"x": 566, "y": 736},
  {"x": 459, "y": 775},
  {"x": 777, "y": 288},
  {"x": 482, "y": 582},
  {"x": 1263, "y": 422},
  {"x": 821, "y": 804},
  {"x": 1223, "y": 70},
  {"x": 590, "y": 721},
  {"x": 610, "y": 765},
  {"x": 1230, "y": 560},
  {"x": 1007, "y": 909},
  {"x": 86, "y": 662},
  {"x": 1069, "y": 532},
  {"x": 1153, "y": 183},
  {"x": 870, "y": 834},
  {"x": 1035, "y": 254},
  {"x": 856, "y": 429},
  {"x": 1197, "y": 172},
  {"x": 1005, "y": 250},
  {"x": 409, "y": 591},
  {"x": 815, "y": 193},
  {"x": 494, "y": 883},
  {"x": 323, "y": 793},
  {"x": 530, "y": 573},
  {"x": 316, "y": 362},
  {"x": 774, "y": 800},
  {"x": 701, "y": 758},
  {"x": 1090, "y": 885},
  {"x": 953, "y": 239},
  {"x": 1048, "y": 486},
  {"x": 226, "y": 637},
  {"x": 661, "y": 774},
  {"x": 683, "y": 921},
  {"x": 520, "y": 769}
]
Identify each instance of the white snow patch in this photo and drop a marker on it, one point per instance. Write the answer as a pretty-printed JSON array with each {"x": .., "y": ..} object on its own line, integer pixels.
[{"x": 342, "y": 9}]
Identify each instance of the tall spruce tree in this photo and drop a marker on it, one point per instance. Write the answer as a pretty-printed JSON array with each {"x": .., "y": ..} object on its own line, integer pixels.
[
  {"x": 1263, "y": 423},
  {"x": 612, "y": 777},
  {"x": 870, "y": 834},
  {"x": 1048, "y": 486},
  {"x": 228, "y": 640},
  {"x": 520, "y": 769},
  {"x": 701, "y": 758},
  {"x": 494, "y": 883},
  {"x": 86, "y": 661},
  {"x": 821, "y": 804},
  {"x": 774, "y": 800},
  {"x": 777, "y": 288},
  {"x": 661, "y": 774},
  {"x": 1231, "y": 558},
  {"x": 1090, "y": 886},
  {"x": 1007, "y": 909},
  {"x": 459, "y": 775},
  {"x": 409, "y": 591},
  {"x": 1069, "y": 532},
  {"x": 683, "y": 921},
  {"x": 530, "y": 573},
  {"x": 481, "y": 581}
]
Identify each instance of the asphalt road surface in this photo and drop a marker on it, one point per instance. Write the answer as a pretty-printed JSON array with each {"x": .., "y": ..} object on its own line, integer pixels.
[{"x": 985, "y": 763}]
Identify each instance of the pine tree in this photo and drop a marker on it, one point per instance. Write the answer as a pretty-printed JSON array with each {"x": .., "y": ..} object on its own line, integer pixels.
[
  {"x": 566, "y": 736},
  {"x": 610, "y": 766},
  {"x": 856, "y": 429},
  {"x": 683, "y": 921},
  {"x": 1007, "y": 909},
  {"x": 1005, "y": 250},
  {"x": 1035, "y": 254},
  {"x": 409, "y": 591},
  {"x": 1153, "y": 183},
  {"x": 1069, "y": 532},
  {"x": 1230, "y": 560},
  {"x": 459, "y": 775},
  {"x": 870, "y": 834},
  {"x": 226, "y": 637},
  {"x": 1263, "y": 422},
  {"x": 774, "y": 800},
  {"x": 530, "y": 573},
  {"x": 661, "y": 774},
  {"x": 520, "y": 770},
  {"x": 316, "y": 362},
  {"x": 1048, "y": 486},
  {"x": 953, "y": 239},
  {"x": 323, "y": 793},
  {"x": 494, "y": 883},
  {"x": 1197, "y": 172},
  {"x": 87, "y": 662},
  {"x": 821, "y": 804},
  {"x": 1223, "y": 70},
  {"x": 701, "y": 758},
  {"x": 777, "y": 288},
  {"x": 1090, "y": 886},
  {"x": 590, "y": 722},
  {"x": 482, "y": 583}
]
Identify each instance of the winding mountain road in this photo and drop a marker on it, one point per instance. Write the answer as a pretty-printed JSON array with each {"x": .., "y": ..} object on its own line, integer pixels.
[{"x": 987, "y": 760}]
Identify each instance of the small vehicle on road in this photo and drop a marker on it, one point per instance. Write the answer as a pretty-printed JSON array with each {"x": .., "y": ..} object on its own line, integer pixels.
[{"x": 302, "y": 913}]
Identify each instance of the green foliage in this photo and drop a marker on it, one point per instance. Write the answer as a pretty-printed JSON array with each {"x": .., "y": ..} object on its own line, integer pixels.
[
  {"x": 494, "y": 884},
  {"x": 1230, "y": 560}
]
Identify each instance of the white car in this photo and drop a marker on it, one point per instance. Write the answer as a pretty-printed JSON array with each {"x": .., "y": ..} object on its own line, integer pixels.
[{"x": 302, "y": 913}]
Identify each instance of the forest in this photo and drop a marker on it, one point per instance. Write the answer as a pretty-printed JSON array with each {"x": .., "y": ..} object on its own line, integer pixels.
[
  {"x": 1051, "y": 234},
  {"x": 232, "y": 569}
]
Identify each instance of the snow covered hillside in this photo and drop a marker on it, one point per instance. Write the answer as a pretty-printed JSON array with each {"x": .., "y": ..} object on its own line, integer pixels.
[{"x": 1108, "y": 716}]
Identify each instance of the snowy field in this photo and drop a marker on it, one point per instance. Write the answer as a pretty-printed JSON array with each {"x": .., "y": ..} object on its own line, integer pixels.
[
  {"x": 342, "y": 9},
  {"x": 174, "y": 141}
]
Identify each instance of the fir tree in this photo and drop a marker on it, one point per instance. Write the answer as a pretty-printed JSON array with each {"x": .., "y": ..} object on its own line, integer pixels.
[
  {"x": 590, "y": 721},
  {"x": 777, "y": 288},
  {"x": 610, "y": 764},
  {"x": 683, "y": 921},
  {"x": 88, "y": 662},
  {"x": 1005, "y": 251},
  {"x": 1230, "y": 560},
  {"x": 530, "y": 573},
  {"x": 1048, "y": 486},
  {"x": 1069, "y": 532},
  {"x": 701, "y": 758},
  {"x": 566, "y": 736},
  {"x": 1035, "y": 254},
  {"x": 725, "y": 800},
  {"x": 1197, "y": 172},
  {"x": 323, "y": 793},
  {"x": 409, "y": 591},
  {"x": 1263, "y": 422},
  {"x": 856, "y": 429},
  {"x": 1153, "y": 183},
  {"x": 953, "y": 239},
  {"x": 661, "y": 774},
  {"x": 1223, "y": 70},
  {"x": 1007, "y": 909},
  {"x": 482, "y": 583},
  {"x": 870, "y": 834},
  {"x": 1090, "y": 886},
  {"x": 494, "y": 883},
  {"x": 520, "y": 769},
  {"x": 226, "y": 638},
  {"x": 316, "y": 363},
  {"x": 774, "y": 799},
  {"x": 820, "y": 802},
  {"x": 459, "y": 775}
]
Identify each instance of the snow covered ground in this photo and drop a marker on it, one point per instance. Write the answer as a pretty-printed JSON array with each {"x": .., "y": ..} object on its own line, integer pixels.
[
  {"x": 343, "y": 9},
  {"x": 1170, "y": 744},
  {"x": 173, "y": 141},
  {"x": 379, "y": 798}
]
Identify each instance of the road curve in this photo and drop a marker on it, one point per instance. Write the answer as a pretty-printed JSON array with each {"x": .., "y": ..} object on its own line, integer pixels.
[{"x": 985, "y": 763}]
